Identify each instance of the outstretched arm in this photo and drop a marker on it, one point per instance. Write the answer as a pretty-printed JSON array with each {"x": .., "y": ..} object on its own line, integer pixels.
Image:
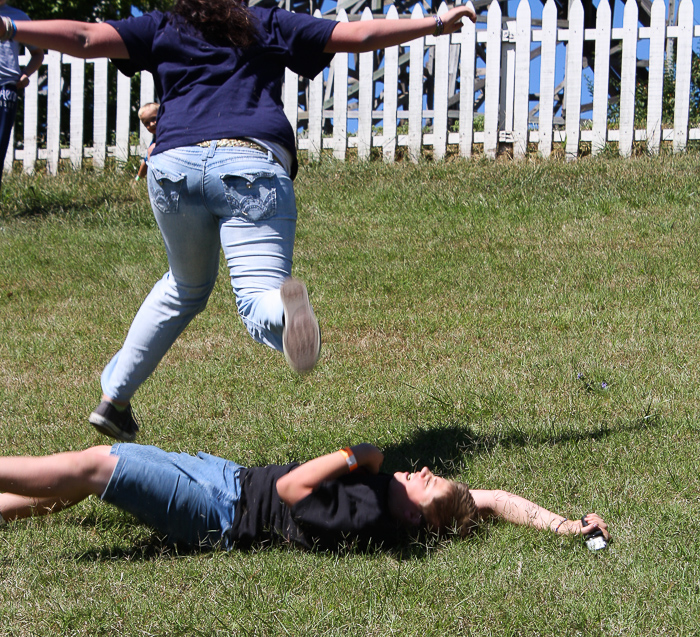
[
  {"x": 370, "y": 35},
  {"x": 79, "y": 39},
  {"x": 306, "y": 478},
  {"x": 518, "y": 510}
]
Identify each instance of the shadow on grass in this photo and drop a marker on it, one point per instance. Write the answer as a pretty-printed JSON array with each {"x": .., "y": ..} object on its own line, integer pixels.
[
  {"x": 447, "y": 447},
  {"x": 154, "y": 548},
  {"x": 149, "y": 549}
]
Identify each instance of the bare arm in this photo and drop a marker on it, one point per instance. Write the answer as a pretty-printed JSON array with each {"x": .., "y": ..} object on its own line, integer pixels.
[
  {"x": 79, "y": 39},
  {"x": 37, "y": 57},
  {"x": 142, "y": 171},
  {"x": 306, "y": 478},
  {"x": 370, "y": 35},
  {"x": 513, "y": 508}
]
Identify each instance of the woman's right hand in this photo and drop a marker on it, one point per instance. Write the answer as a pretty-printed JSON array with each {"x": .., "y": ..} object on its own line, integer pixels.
[
  {"x": 368, "y": 456},
  {"x": 594, "y": 521}
]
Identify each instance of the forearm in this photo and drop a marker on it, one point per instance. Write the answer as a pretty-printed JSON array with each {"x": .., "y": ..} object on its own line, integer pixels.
[
  {"x": 370, "y": 35},
  {"x": 79, "y": 39},
  {"x": 35, "y": 62},
  {"x": 517, "y": 510},
  {"x": 306, "y": 478}
]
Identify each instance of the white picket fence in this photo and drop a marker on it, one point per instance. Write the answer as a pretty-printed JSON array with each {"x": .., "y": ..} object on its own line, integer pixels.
[{"x": 506, "y": 89}]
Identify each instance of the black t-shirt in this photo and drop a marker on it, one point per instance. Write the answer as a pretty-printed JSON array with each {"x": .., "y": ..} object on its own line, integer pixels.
[{"x": 351, "y": 510}]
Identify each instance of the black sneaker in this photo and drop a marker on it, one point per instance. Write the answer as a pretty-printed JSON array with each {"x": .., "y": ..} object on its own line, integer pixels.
[
  {"x": 108, "y": 420},
  {"x": 301, "y": 337}
]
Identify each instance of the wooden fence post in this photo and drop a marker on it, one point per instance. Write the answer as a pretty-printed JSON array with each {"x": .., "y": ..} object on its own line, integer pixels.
[
  {"x": 53, "y": 113},
  {"x": 493, "y": 72},
  {"x": 440, "y": 88},
  {"x": 415, "y": 91},
  {"x": 146, "y": 95},
  {"x": 99, "y": 127},
  {"x": 366, "y": 98},
  {"x": 684, "y": 56},
  {"x": 656, "y": 76},
  {"x": 574, "y": 57},
  {"x": 391, "y": 82},
  {"x": 77, "y": 91},
  {"x": 600, "y": 82},
  {"x": 340, "y": 99},
  {"x": 467, "y": 40},
  {"x": 628, "y": 77},
  {"x": 547, "y": 67},
  {"x": 521, "y": 103},
  {"x": 315, "y": 108}
]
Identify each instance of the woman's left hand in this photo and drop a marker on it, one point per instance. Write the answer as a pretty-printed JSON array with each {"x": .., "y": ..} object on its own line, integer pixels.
[{"x": 453, "y": 18}]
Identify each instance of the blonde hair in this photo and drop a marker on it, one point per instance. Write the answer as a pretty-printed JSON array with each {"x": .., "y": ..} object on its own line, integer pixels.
[
  {"x": 147, "y": 107},
  {"x": 453, "y": 511}
]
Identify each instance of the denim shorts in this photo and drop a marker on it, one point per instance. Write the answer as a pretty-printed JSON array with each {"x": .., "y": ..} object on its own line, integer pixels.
[{"x": 191, "y": 500}]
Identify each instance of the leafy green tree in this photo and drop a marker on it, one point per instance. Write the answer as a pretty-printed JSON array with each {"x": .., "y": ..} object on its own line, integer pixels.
[
  {"x": 87, "y": 9},
  {"x": 641, "y": 97}
]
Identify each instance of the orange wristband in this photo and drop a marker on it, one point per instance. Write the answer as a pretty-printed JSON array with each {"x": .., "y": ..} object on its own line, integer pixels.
[{"x": 349, "y": 458}]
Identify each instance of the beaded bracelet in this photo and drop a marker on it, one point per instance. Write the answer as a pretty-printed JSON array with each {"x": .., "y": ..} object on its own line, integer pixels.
[
  {"x": 560, "y": 523},
  {"x": 439, "y": 26},
  {"x": 10, "y": 29}
]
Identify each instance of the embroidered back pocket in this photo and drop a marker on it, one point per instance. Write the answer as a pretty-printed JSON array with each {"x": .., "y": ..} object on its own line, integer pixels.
[
  {"x": 251, "y": 193},
  {"x": 164, "y": 189}
]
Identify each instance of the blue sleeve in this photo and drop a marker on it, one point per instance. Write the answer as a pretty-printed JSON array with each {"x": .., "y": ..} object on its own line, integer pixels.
[
  {"x": 304, "y": 38},
  {"x": 137, "y": 34}
]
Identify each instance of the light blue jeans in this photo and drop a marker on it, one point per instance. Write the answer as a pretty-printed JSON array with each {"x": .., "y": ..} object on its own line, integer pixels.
[{"x": 205, "y": 199}]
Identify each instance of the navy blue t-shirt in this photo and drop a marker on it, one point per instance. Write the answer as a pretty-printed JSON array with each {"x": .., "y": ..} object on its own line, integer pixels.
[{"x": 209, "y": 91}]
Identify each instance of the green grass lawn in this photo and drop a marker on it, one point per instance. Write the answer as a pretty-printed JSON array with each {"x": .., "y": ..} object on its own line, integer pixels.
[{"x": 530, "y": 326}]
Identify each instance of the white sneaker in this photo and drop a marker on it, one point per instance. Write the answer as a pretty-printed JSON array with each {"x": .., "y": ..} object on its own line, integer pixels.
[{"x": 301, "y": 337}]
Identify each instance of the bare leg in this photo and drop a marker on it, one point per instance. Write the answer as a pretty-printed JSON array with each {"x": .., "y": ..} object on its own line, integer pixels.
[
  {"x": 46, "y": 484},
  {"x": 15, "y": 507}
]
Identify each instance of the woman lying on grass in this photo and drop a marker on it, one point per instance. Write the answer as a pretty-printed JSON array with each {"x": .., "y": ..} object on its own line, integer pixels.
[{"x": 208, "y": 502}]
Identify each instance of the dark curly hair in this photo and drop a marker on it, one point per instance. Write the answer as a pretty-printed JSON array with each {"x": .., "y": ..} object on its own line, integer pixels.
[
  {"x": 454, "y": 511},
  {"x": 228, "y": 22}
]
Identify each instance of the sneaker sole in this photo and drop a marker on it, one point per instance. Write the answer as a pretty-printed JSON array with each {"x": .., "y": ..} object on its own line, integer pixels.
[
  {"x": 301, "y": 337},
  {"x": 108, "y": 428}
]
